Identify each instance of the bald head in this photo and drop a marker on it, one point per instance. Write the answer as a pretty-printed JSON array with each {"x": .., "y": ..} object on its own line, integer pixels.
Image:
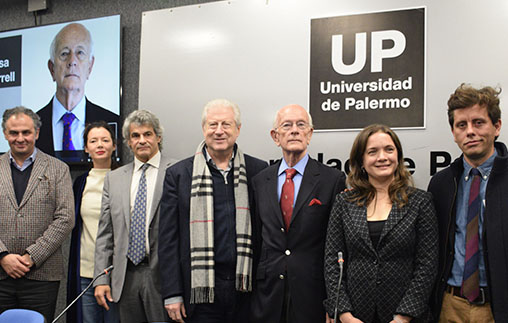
[
  {"x": 71, "y": 31},
  {"x": 291, "y": 107},
  {"x": 71, "y": 63},
  {"x": 292, "y": 131}
]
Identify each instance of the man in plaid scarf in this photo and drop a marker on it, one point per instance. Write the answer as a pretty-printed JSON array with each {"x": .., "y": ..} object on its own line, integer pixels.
[{"x": 205, "y": 233}]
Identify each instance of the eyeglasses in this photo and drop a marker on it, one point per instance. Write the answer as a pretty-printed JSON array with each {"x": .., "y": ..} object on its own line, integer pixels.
[{"x": 288, "y": 125}]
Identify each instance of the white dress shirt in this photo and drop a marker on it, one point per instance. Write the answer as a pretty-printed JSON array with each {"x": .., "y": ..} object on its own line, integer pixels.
[
  {"x": 77, "y": 126},
  {"x": 151, "y": 180}
]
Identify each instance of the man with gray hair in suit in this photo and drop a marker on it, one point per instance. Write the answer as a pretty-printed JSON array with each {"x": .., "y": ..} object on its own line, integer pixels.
[
  {"x": 36, "y": 215},
  {"x": 127, "y": 237}
]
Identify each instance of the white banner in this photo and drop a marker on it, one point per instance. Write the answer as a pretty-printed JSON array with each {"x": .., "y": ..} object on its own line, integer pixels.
[{"x": 257, "y": 53}]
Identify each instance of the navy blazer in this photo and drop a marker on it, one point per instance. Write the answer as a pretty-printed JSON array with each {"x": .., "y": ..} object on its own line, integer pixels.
[
  {"x": 75, "y": 313},
  {"x": 395, "y": 278},
  {"x": 295, "y": 256},
  {"x": 174, "y": 235},
  {"x": 93, "y": 113}
]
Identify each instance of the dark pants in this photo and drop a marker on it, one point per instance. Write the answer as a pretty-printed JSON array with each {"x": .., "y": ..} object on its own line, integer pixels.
[
  {"x": 141, "y": 300},
  {"x": 230, "y": 306},
  {"x": 36, "y": 295},
  {"x": 287, "y": 312}
]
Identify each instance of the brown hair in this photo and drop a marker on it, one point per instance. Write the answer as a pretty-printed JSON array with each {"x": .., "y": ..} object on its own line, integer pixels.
[
  {"x": 363, "y": 192},
  {"x": 466, "y": 96}
]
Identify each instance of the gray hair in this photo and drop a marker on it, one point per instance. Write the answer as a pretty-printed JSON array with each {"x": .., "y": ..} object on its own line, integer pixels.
[
  {"x": 221, "y": 103},
  {"x": 21, "y": 110},
  {"x": 53, "y": 48},
  {"x": 142, "y": 117},
  {"x": 275, "y": 125}
]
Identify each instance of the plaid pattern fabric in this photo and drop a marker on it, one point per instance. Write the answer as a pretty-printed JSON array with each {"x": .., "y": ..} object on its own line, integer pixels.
[
  {"x": 398, "y": 276},
  {"x": 201, "y": 229},
  {"x": 44, "y": 218}
]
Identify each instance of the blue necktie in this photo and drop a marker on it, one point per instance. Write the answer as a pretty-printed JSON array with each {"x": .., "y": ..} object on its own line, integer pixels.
[
  {"x": 137, "y": 249},
  {"x": 67, "y": 119}
]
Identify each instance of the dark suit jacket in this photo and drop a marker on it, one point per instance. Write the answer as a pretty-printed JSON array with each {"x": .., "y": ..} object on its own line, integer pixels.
[
  {"x": 93, "y": 113},
  {"x": 395, "y": 278},
  {"x": 75, "y": 313},
  {"x": 296, "y": 255},
  {"x": 174, "y": 236},
  {"x": 444, "y": 186}
]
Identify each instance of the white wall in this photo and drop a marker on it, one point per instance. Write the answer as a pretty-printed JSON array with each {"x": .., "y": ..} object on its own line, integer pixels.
[{"x": 256, "y": 53}]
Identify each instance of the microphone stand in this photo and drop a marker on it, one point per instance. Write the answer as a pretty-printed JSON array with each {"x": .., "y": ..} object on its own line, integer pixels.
[
  {"x": 340, "y": 260},
  {"x": 105, "y": 272}
]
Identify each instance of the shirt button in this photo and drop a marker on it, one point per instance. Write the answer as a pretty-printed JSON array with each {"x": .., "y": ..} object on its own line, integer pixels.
[
  {"x": 288, "y": 252},
  {"x": 375, "y": 262},
  {"x": 18, "y": 215},
  {"x": 282, "y": 230},
  {"x": 378, "y": 282},
  {"x": 281, "y": 276}
]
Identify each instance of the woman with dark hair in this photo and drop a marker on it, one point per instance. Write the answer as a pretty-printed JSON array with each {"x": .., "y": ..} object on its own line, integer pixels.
[
  {"x": 99, "y": 144},
  {"x": 387, "y": 232}
]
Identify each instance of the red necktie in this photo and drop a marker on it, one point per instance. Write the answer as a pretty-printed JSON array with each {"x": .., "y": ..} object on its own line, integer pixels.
[{"x": 287, "y": 196}]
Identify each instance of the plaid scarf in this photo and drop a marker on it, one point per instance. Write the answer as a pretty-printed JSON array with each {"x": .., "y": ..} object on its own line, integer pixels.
[{"x": 201, "y": 229}]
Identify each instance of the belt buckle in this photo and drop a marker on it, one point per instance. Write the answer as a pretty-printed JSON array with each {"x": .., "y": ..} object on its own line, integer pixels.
[{"x": 482, "y": 299}]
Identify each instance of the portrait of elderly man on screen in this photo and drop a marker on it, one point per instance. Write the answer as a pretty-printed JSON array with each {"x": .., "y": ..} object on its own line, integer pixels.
[{"x": 64, "y": 117}]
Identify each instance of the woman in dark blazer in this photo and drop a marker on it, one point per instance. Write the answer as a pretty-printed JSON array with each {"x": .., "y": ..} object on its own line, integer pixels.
[
  {"x": 387, "y": 232},
  {"x": 99, "y": 144}
]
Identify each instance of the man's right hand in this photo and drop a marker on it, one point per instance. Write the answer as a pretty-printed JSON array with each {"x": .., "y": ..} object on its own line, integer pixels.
[
  {"x": 103, "y": 292},
  {"x": 176, "y": 311},
  {"x": 15, "y": 265}
]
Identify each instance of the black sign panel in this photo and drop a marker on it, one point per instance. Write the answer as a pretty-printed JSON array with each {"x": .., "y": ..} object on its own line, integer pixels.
[
  {"x": 10, "y": 61},
  {"x": 368, "y": 68}
]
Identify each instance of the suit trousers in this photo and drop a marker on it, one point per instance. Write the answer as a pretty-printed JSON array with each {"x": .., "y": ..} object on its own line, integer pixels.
[
  {"x": 35, "y": 295},
  {"x": 230, "y": 306},
  {"x": 141, "y": 300},
  {"x": 286, "y": 313},
  {"x": 458, "y": 309}
]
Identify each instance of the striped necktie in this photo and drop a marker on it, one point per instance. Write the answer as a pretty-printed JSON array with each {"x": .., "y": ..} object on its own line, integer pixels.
[{"x": 471, "y": 279}]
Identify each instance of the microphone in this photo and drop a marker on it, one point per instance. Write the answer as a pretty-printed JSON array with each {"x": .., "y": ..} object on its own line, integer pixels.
[
  {"x": 340, "y": 260},
  {"x": 106, "y": 271}
]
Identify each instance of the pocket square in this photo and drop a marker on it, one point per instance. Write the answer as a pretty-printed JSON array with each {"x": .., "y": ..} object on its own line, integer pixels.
[{"x": 315, "y": 201}]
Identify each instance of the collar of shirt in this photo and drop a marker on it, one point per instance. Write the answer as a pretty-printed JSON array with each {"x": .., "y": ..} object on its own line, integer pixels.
[
  {"x": 29, "y": 161},
  {"x": 59, "y": 110},
  {"x": 300, "y": 166},
  {"x": 154, "y": 162},
  {"x": 484, "y": 168},
  {"x": 297, "y": 179},
  {"x": 210, "y": 160}
]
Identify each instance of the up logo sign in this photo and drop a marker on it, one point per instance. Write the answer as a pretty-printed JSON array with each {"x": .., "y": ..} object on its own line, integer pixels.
[
  {"x": 368, "y": 68},
  {"x": 377, "y": 51}
]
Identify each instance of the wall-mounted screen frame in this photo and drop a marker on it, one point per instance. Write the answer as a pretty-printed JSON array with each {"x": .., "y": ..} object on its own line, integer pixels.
[{"x": 25, "y": 79}]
